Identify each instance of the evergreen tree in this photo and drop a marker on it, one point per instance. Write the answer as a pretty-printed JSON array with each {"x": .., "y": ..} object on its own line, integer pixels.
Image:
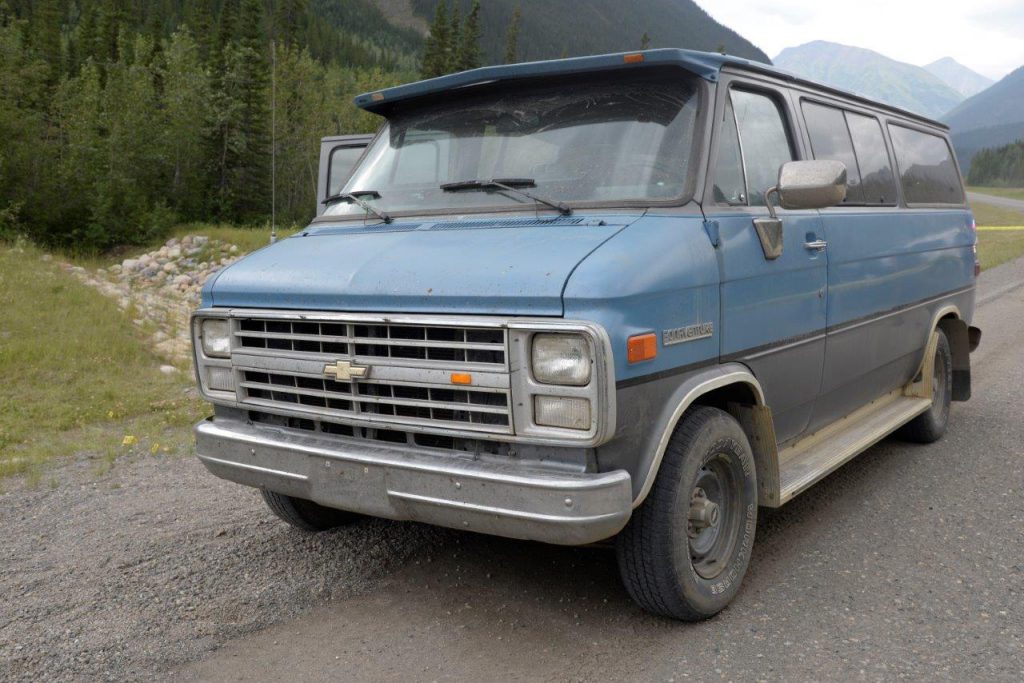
[
  {"x": 288, "y": 21},
  {"x": 435, "y": 48},
  {"x": 469, "y": 52},
  {"x": 46, "y": 36},
  {"x": 454, "y": 39},
  {"x": 87, "y": 34},
  {"x": 201, "y": 25},
  {"x": 512, "y": 37},
  {"x": 645, "y": 41},
  {"x": 111, "y": 17}
]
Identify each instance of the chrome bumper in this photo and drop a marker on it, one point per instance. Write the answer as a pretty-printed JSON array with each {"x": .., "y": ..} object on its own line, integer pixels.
[{"x": 511, "y": 499}]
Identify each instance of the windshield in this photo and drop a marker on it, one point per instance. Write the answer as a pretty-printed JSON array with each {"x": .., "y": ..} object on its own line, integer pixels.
[{"x": 622, "y": 139}]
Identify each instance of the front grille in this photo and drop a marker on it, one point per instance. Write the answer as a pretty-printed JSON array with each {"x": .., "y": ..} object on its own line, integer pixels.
[
  {"x": 279, "y": 366},
  {"x": 455, "y": 345},
  {"x": 411, "y": 404},
  {"x": 413, "y": 439}
]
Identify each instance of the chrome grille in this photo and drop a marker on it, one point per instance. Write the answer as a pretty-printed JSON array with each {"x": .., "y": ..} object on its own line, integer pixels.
[
  {"x": 279, "y": 366},
  {"x": 456, "y": 345}
]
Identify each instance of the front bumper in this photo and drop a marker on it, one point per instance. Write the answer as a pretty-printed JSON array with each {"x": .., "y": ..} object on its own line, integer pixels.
[{"x": 511, "y": 499}]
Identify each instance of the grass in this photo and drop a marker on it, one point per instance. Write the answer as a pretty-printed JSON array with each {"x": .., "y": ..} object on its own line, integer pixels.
[
  {"x": 1000, "y": 233},
  {"x": 1009, "y": 192},
  {"x": 991, "y": 216},
  {"x": 999, "y": 246},
  {"x": 77, "y": 375}
]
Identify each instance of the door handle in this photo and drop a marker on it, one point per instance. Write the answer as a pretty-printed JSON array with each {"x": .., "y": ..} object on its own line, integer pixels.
[{"x": 816, "y": 245}]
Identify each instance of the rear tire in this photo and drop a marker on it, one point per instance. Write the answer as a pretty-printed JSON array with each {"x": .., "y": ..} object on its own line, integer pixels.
[
  {"x": 686, "y": 548},
  {"x": 930, "y": 426},
  {"x": 305, "y": 514}
]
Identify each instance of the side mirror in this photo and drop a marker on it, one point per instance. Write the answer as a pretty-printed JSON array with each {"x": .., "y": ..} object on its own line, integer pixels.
[{"x": 811, "y": 184}]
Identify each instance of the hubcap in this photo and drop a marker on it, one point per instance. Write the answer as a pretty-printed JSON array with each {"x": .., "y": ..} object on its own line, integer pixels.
[{"x": 712, "y": 516}]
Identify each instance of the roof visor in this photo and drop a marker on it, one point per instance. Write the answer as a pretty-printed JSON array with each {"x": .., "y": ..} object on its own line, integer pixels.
[{"x": 703, "y": 64}]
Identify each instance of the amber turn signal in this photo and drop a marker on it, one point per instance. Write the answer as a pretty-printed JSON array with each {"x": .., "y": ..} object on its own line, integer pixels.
[
  {"x": 633, "y": 58},
  {"x": 642, "y": 347},
  {"x": 462, "y": 378}
]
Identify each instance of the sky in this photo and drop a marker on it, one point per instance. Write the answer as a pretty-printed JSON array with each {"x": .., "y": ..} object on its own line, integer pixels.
[{"x": 984, "y": 35}]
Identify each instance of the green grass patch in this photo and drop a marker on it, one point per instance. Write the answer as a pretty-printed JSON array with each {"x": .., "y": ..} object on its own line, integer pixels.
[
  {"x": 77, "y": 375},
  {"x": 999, "y": 246},
  {"x": 993, "y": 216},
  {"x": 1008, "y": 192}
]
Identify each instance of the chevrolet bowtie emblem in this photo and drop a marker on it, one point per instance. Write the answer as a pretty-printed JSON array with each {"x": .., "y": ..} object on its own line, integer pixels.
[{"x": 343, "y": 371}]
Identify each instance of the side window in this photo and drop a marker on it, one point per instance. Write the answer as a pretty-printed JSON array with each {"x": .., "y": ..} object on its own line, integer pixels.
[
  {"x": 343, "y": 160},
  {"x": 830, "y": 139},
  {"x": 876, "y": 177},
  {"x": 763, "y": 141},
  {"x": 926, "y": 167},
  {"x": 729, "y": 186}
]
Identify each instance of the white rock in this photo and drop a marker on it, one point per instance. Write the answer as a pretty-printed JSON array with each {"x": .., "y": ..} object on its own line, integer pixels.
[
  {"x": 174, "y": 252},
  {"x": 130, "y": 264},
  {"x": 170, "y": 267},
  {"x": 168, "y": 369}
]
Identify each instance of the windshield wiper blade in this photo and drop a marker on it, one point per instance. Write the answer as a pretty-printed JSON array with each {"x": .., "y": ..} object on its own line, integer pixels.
[
  {"x": 356, "y": 198},
  {"x": 513, "y": 185}
]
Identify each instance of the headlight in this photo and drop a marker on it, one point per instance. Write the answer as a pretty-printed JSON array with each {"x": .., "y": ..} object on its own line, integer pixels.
[
  {"x": 562, "y": 411},
  {"x": 561, "y": 359},
  {"x": 216, "y": 337}
]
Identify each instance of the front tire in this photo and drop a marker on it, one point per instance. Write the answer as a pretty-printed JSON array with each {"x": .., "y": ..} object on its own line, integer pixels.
[
  {"x": 930, "y": 426},
  {"x": 687, "y": 547},
  {"x": 305, "y": 514}
]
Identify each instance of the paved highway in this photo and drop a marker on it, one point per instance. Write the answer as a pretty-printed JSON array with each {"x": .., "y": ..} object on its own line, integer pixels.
[
  {"x": 1005, "y": 202},
  {"x": 906, "y": 563}
]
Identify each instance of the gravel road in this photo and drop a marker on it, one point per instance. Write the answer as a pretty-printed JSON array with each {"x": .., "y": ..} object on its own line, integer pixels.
[
  {"x": 1005, "y": 202},
  {"x": 907, "y": 563}
]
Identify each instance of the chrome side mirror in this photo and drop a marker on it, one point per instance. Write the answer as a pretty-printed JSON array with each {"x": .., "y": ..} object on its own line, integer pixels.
[{"x": 810, "y": 184}]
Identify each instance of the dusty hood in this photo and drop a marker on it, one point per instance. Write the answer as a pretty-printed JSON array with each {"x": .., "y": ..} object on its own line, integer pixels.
[{"x": 513, "y": 266}]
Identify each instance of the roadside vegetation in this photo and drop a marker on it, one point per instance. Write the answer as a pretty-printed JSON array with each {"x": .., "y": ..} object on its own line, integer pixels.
[
  {"x": 78, "y": 376},
  {"x": 1000, "y": 232},
  {"x": 1008, "y": 192}
]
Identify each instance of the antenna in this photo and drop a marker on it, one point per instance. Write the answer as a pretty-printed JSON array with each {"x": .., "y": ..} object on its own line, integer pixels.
[{"x": 273, "y": 142}]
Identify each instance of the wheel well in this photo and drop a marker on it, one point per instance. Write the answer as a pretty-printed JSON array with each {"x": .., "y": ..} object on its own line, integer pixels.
[
  {"x": 743, "y": 402},
  {"x": 724, "y": 397}
]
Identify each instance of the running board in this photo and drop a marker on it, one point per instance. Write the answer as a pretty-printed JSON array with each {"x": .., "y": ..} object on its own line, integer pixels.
[{"x": 817, "y": 455}]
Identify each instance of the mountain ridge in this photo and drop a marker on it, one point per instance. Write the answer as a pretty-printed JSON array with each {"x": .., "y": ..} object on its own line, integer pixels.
[
  {"x": 963, "y": 79},
  {"x": 871, "y": 74},
  {"x": 593, "y": 27},
  {"x": 992, "y": 118}
]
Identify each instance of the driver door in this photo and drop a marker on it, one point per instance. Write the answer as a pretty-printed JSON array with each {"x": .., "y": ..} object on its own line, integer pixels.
[{"x": 773, "y": 306}]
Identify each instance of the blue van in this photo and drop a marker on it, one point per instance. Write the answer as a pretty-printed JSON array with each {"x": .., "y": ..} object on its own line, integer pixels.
[{"x": 629, "y": 297}]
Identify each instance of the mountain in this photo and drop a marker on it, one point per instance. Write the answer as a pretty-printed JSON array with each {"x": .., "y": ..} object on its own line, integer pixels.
[
  {"x": 567, "y": 28},
  {"x": 871, "y": 74},
  {"x": 957, "y": 76},
  {"x": 992, "y": 118}
]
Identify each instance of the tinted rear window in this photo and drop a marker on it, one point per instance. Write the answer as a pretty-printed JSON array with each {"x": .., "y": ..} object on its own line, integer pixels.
[
  {"x": 926, "y": 166},
  {"x": 830, "y": 139},
  {"x": 876, "y": 177}
]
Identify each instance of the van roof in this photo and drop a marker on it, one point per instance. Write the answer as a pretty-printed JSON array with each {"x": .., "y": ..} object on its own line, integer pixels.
[{"x": 706, "y": 65}]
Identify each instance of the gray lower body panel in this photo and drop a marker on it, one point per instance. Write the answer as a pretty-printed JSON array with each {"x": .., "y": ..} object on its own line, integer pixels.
[{"x": 514, "y": 499}]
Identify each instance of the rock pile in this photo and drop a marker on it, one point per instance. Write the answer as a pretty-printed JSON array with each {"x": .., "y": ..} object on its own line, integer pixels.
[{"x": 160, "y": 289}]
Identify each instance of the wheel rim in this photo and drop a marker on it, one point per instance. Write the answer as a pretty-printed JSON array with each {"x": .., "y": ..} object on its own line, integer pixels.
[{"x": 712, "y": 516}]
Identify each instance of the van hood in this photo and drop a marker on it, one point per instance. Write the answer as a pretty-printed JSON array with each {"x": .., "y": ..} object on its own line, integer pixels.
[{"x": 511, "y": 266}]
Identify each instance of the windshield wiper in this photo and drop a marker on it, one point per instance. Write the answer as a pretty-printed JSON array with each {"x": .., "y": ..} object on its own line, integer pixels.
[
  {"x": 355, "y": 198},
  {"x": 513, "y": 185}
]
